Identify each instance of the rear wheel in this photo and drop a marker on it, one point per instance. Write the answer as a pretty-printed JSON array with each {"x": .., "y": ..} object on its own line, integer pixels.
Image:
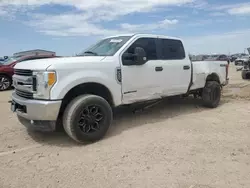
[
  {"x": 211, "y": 94},
  {"x": 87, "y": 118},
  {"x": 248, "y": 76},
  {"x": 5, "y": 83},
  {"x": 243, "y": 75}
]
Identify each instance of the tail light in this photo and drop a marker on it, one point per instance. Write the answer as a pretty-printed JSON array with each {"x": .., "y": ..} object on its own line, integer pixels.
[{"x": 227, "y": 66}]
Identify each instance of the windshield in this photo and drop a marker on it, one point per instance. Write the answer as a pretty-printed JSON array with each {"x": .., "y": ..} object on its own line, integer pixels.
[
  {"x": 8, "y": 61},
  {"x": 106, "y": 47}
]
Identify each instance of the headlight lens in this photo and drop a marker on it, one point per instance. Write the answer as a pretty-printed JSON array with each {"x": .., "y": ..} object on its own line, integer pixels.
[{"x": 44, "y": 82}]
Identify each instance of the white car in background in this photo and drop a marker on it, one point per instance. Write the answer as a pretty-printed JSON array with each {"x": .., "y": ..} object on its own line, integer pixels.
[{"x": 239, "y": 62}]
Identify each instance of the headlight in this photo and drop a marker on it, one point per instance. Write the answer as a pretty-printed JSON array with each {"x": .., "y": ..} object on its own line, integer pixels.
[{"x": 44, "y": 83}]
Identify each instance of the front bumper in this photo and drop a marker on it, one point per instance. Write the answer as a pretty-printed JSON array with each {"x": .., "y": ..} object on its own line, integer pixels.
[
  {"x": 37, "y": 115},
  {"x": 35, "y": 109}
]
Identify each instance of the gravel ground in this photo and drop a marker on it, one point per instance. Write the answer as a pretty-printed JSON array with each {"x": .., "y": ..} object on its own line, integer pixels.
[{"x": 176, "y": 144}]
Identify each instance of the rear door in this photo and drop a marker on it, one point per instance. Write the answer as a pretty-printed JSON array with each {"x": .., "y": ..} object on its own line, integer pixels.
[{"x": 177, "y": 67}]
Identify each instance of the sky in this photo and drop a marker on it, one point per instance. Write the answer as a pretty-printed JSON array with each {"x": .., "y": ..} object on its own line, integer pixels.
[{"x": 70, "y": 26}]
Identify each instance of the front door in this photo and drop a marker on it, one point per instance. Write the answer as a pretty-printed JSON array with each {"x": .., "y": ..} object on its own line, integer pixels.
[{"x": 143, "y": 82}]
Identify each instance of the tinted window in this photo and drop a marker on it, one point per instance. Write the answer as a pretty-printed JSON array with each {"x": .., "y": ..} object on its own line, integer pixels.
[
  {"x": 172, "y": 49},
  {"x": 148, "y": 44}
]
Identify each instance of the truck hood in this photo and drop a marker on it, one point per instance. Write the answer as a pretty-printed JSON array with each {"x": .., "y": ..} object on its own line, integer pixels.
[{"x": 43, "y": 64}]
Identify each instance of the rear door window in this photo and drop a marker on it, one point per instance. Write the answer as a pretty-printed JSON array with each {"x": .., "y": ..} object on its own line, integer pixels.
[{"x": 172, "y": 49}]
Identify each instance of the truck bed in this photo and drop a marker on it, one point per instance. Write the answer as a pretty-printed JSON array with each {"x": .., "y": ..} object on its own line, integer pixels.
[{"x": 201, "y": 70}]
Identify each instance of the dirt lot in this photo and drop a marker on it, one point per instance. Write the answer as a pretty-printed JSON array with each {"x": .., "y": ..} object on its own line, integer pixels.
[{"x": 176, "y": 144}]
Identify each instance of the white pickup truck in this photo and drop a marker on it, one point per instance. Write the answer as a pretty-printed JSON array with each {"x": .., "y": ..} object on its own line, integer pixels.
[{"x": 82, "y": 91}]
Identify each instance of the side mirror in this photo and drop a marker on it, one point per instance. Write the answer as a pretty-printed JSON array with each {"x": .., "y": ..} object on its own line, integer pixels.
[
  {"x": 140, "y": 56},
  {"x": 128, "y": 59}
]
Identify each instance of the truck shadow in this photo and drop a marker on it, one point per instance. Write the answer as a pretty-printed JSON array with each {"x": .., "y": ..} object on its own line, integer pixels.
[{"x": 125, "y": 118}]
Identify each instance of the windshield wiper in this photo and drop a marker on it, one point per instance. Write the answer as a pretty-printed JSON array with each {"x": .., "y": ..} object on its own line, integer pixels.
[{"x": 90, "y": 52}]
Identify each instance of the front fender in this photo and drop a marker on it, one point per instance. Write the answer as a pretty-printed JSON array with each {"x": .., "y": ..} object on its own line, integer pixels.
[{"x": 67, "y": 80}]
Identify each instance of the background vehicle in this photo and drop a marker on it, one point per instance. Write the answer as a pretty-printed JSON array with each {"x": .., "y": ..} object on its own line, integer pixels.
[
  {"x": 81, "y": 91},
  {"x": 3, "y": 58},
  {"x": 235, "y": 56},
  {"x": 7, "y": 69},
  {"x": 240, "y": 61},
  {"x": 199, "y": 57},
  {"x": 245, "y": 73},
  {"x": 218, "y": 57}
]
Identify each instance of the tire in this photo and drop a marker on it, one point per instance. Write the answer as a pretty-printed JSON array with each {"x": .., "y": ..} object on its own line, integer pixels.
[
  {"x": 87, "y": 118},
  {"x": 211, "y": 94},
  {"x": 5, "y": 83},
  {"x": 243, "y": 75}
]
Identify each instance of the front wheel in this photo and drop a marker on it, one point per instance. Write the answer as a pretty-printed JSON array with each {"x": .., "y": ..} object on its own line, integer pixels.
[
  {"x": 5, "y": 83},
  {"x": 87, "y": 118},
  {"x": 211, "y": 94}
]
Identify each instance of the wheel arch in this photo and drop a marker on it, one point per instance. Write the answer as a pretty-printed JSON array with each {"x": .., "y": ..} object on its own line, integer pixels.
[
  {"x": 213, "y": 77},
  {"x": 87, "y": 88},
  {"x": 5, "y": 74}
]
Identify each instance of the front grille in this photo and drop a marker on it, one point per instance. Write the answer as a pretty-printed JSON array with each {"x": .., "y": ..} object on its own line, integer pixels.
[
  {"x": 24, "y": 94},
  {"x": 23, "y": 72}
]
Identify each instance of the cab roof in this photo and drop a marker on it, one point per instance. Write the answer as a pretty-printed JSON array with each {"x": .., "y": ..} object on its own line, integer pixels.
[{"x": 144, "y": 35}]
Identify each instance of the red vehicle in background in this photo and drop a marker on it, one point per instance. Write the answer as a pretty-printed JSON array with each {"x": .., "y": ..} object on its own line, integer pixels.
[{"x": 7, "y": 68}]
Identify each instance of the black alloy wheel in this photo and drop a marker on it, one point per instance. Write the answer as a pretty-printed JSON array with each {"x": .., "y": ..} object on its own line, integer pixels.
[
  {"x": 87, "y": 118},
  {"x": 90, "y": 119}
]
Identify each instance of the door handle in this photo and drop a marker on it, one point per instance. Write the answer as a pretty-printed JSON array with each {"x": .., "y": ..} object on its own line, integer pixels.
[
  {"x": 186, "y": 67},
  {"x": 157, "y": 69}
]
